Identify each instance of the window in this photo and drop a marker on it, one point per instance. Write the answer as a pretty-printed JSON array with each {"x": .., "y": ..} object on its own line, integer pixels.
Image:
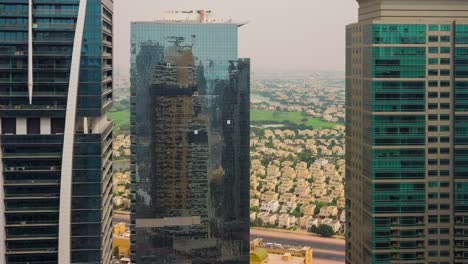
[
  {"x": 444, "y": 173},
  {"x": 445, "y": 84},
  {"x": 445, "y": 184},
  {"x": 433, "y": 219},
  {"x": 445, "y": 207},
  {"x": 433, "y": 184},
  {"x": 433, "y": 38},
  {"x": 432, "y": 207},
  {"x": 433, "y": 72},
  {"x": 433, "y": 231},
  {"x": 433, "y": 50},
  {"x": 433, "y": 27},
  {"x": 8, "y": 126},
  {"x": 432, "y": 106},
  {"x": 444, "y": 128},
  {"x": 433, "y": 129},
  {"x": 432, "y": 162},
  {"x": 445, "y": 195},
  {"x": 445, "y": 27},
  {"x": 445, "y": 242},
  {"x": 444, "y": 106},
  {"x": 444, "y": 72},
  {"x": 433, "y": 84},
  {"x": 432, "y": 173},
  {"x": 445, "y": 38},
  {"x": 433, "y": 150},
  {"x": 445, "y": 61},
  {"x": 433, "y": 242},
  {"x": 433, "y": 139},
  {"x": 432, "y": 195},
  {"x": 444, "y": 231},
  {"x": 57, "y": 125},
  {"x": 444, "y": 162},
  {"x": 444, "y": 151},
  {"x": 432, "y": 117},
  {"x": 445, "y": 50},
  {"x": 444, "y": 139},
  {"x": 444, "y": 117},
  {"x": 34, "y": 125},
  {"x": 433, "y": 61}
]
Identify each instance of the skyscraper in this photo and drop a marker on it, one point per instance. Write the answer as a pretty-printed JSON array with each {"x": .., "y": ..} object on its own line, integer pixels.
[
  {"x": 190, "y": 141},
  {"x": 407, "y": 132},
  {"x": 56, "y": 154}
]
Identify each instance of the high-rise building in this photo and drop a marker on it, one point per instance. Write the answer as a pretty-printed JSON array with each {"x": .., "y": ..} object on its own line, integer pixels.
[
  {"x": 189, "y": 141},
  {"x": 56, "y": 154},
  {"x": 407, "y": 132}
]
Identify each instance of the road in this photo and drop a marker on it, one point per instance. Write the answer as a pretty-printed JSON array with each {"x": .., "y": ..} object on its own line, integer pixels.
[{"x": 326, "y": 250}]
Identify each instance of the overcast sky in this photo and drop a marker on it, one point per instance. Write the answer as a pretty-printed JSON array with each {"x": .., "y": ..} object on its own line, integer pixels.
[{"x": 280, "y": 35}]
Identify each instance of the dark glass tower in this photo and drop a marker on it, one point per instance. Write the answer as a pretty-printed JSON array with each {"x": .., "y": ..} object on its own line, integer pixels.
[
  {"x": 56, "y": 154},
  {"x": 190, "y": 141},
  {"x": 407, "y": 132}
]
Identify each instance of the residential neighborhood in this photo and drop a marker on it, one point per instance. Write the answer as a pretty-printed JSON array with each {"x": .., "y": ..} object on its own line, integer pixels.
[{"x": 297, "y": 178}]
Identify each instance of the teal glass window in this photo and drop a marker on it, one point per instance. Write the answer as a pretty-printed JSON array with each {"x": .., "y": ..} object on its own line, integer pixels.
[
  {"x": 399, "y": 62},
  {"x": 433, "y": 61},
  {"x": 398, "y": 34},
  {"x": 433, "y": 27},
  {"x": 444, "y": 72},
  {"x": 433, "y": 83},
  {"x": 444, "y": 128},
  {"x": 445, "y": 50},
  {"x": 445, "y": 27},
  {"x": 398, "y": 96},
  {"x": 461, "y": 36},
  {"x": 433, "y": 50},
  {"x": 433, "y": 184}
]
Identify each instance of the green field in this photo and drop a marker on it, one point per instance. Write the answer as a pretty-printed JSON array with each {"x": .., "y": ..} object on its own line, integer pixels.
[
  {"x": 121, "y": 119},
  {"x": 278, "y": 117}
]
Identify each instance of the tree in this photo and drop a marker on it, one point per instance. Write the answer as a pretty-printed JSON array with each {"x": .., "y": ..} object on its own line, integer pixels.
[
  {"x": 254, "y": 209},
  {"x": 323, "y": 230}
]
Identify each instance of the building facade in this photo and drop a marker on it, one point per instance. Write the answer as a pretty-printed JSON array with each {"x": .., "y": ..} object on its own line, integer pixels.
[
  {"x": 407, "y": 132},
  {"x": 56, "y": 142},
  {"x": 190, "y": 141}
]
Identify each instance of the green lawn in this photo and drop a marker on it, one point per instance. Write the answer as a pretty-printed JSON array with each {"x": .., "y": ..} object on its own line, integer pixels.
[
  {"x": 121, "y": 119},
  {"x": 277, "y": 117}
]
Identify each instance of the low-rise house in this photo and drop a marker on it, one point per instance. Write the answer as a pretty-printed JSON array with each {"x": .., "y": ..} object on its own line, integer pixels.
[
  {"x": 254, "y": 202},
  {"x": 304, "y": 220},
  {"x": 328, "y": 211},
  {"x": 309, "y": 209},
  {"x": 288, "y": 207},
  {"x": 334, "y": 224},
  {"x": 269, "y": 196},
  {"x": 270, "y": 206},
  {"x": 312, "y": 222},
  {"x": 286, "y": 221},
  {"x": 268, "y": 219},
  {"x": 287, "y": 197},
  {"x": 253, "y": 216}
]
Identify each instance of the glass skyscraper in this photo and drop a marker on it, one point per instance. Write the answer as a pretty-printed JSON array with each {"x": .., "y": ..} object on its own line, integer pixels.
[
  {"x": 55, "y": 139},
  {"x": 189, "y": 141},
  {"x": 407, "y": 132}
]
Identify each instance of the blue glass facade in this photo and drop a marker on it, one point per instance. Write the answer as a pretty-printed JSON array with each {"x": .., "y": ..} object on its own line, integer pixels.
[
  {"x": 190, "y": 144},
  {"x": 33, "y": 127}
]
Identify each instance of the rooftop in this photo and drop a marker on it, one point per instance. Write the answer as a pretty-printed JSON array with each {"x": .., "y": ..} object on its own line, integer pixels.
[{"x": 192, "y": 17}]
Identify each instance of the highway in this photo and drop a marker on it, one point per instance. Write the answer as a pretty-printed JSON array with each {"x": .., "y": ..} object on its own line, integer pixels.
[{"x": 326, "y": 250}]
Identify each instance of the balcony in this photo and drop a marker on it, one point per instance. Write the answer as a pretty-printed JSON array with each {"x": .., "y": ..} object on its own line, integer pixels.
[
  {"x": 22, "y": 27},
  {"x": 55, "y": 12},
  {"x": 33, "y": 169},
  {"x": 54, "y": 26},
  {"x": 31, "y": 182},
  {"x": 52, "y": 155}
]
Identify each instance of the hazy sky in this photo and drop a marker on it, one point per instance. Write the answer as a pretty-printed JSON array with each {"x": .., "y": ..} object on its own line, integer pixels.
[{"x": 281, "y": 34}]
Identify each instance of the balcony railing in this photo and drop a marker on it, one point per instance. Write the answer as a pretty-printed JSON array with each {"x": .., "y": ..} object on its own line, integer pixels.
[{"x": 52, "y": 12}]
